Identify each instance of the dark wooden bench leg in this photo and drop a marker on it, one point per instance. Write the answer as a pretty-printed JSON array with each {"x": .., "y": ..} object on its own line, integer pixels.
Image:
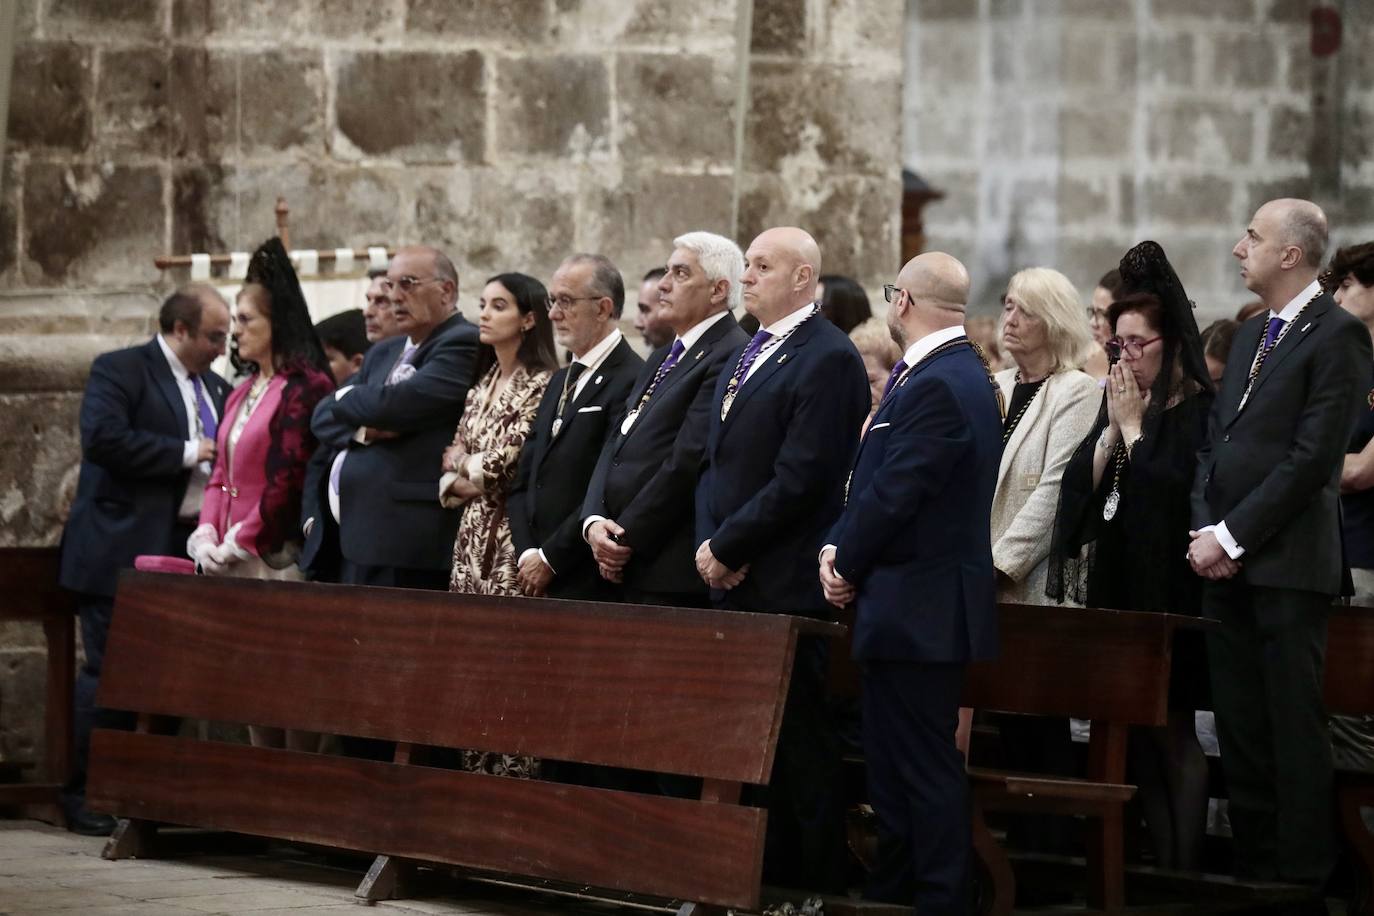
[
  {"x": 1001, "y": 895},
  {"x": 132, "y": 838},
  {"x": 387, "y": 879},
  {"x": 1106, "y": 852},
  {"x": 1350, "y": 796}
]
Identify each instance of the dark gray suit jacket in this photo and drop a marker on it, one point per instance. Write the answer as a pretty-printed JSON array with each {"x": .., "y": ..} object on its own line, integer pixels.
[
  {"x": 389, "y": 491},
  {"x": 646, "y": 480},
  {"x": 1272, "y": 471}
]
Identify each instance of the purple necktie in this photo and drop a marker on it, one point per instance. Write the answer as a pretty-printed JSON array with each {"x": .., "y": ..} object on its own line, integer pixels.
[
  {"x": 208, "y": 424},
  {"x": 751, "y": 353},
  {"x": 407, "y": 354},
  {"x": 897, "y": 371},
  {"x": 674, "y": 355},
  {"x": 1275, "y": 326}
]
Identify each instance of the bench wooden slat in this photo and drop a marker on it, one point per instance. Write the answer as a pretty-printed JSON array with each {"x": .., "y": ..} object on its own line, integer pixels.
[
  {"x": 1349, "y": 687},
  {"x": 661, "y": 689},
  {"x": 1104, "y": 664},
  {"x": 618, "y": 840},
  {"x": 1042, "y": 793}
]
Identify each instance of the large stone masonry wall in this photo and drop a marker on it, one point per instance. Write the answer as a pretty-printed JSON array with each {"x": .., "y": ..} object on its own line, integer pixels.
[
  {"x": 1064, "y": 131},
  {"x": 509, "y": 132}
]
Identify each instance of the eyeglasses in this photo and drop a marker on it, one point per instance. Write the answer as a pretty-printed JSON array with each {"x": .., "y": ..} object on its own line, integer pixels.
[
  {"x": 407, "y": 284},
  {"x": 1096, "y": 314},
  {"x": 891, "y": 293},
  {"x": 1131, "y": 347},
  {"x": 565, "y": 303}
]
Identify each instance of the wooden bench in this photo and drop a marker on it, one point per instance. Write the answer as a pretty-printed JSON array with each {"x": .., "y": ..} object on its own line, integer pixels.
[
  {"x": 690, "y": 692},
  {"x": 1111, "y": 667},
  {"x": 1350, "y": 691},
  {"x": 28, "y": 582}
]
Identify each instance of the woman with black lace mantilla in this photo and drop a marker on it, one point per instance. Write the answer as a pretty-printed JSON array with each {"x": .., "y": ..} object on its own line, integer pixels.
[{"x": 1126, "y": 491}]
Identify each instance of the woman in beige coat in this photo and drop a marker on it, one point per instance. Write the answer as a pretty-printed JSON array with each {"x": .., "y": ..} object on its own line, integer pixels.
[{"x": 1051, "y": 406}]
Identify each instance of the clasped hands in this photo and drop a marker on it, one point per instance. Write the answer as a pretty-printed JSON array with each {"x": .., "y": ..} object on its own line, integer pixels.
[
  {"x": 837, "y": 591},
  {"x": 715, "y": 573},
  {"x": 1208, "y": 558},
  {"x": 212, "y": 556},
  {"x": 533, "y": 575}
]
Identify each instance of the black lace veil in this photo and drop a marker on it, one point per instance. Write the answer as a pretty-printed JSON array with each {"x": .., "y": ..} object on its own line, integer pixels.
[{"x": 294, "y": 341}]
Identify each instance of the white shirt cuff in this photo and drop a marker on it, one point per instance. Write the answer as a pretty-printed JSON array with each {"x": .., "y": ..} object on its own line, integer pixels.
[
  {"x": 359, "y": 435},
  {"x": 543, "y": 559},
  {"x": 1228, "y": 543},
  {"x": 189, "y": 452},
  {"x": 589, "y": 521}
]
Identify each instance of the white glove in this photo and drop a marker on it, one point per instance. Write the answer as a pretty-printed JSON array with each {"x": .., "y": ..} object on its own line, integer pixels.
[{"x": 201, "y": 542}]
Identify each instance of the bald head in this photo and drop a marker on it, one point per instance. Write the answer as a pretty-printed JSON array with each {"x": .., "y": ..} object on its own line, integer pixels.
[
  {"x": 1301, "y": 224},
  {"x": 936, "y": 279},
  {"x": 935, "y": 287},
  {"x": 780, "y": 272}
]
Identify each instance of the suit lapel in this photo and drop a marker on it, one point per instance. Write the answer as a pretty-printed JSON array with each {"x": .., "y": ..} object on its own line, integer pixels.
[
  {"x": 685, "y": 367},
  {"x": 1305, "y": 323},
  {"x": 781, "y": 357},
  {"x": 167, "y": 384}
]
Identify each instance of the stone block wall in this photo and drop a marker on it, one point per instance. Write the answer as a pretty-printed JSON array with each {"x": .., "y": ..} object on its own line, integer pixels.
[
  {"x": 1065, "y": 131},
  {"x": 508, "y": 132}
]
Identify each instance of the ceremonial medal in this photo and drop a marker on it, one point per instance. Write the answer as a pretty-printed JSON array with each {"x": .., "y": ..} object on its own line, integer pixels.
[
  {"x": 629, "y": 421},
  {"x": 725, "y": 404},
  {"x": 1110, "y": 506},
  {"x": 557, "y": 425}
]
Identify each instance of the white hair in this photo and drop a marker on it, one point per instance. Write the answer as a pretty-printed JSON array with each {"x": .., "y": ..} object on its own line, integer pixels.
[{"x": 720, "y": 258}]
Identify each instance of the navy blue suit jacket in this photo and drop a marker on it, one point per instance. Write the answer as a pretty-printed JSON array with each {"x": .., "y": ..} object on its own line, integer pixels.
[
  {"x": 915, "y": 538},
  {"x": 389, "y": 490},
  {"x": 133, "y": 436},
  {"x": 775, "y": 467}
]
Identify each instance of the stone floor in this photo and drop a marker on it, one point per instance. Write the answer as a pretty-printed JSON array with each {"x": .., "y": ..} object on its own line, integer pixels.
[{"x": 45, "y": 870}]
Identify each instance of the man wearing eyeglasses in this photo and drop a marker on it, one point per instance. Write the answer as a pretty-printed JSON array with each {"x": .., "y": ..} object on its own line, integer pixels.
[
  {"x": 913, "y": 552},
  {"x": 391, "y": 428},
  {"x": 638, "y": 516},
  {"x": 582, "y": 404},
  {"x": 148, "y": 422}
]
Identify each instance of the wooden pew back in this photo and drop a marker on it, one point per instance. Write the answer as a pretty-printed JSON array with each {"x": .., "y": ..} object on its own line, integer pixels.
[
  {"x": 697, "y": 693},
  {"x": 1349, "y": 688}
]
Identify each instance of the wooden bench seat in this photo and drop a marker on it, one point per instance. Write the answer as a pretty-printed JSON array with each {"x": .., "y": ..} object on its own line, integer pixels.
[
  {"x": 688, "y": 692},
  {"x": 1009, "y": 791}
]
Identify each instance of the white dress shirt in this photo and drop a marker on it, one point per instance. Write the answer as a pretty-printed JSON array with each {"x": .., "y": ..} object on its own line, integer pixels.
[
  {"x": 1287, "y": 313},
  {"x": 200, "y": 470}
]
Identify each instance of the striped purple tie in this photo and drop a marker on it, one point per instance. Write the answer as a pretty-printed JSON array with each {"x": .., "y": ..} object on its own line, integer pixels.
[{"x": 208, "y": 424}]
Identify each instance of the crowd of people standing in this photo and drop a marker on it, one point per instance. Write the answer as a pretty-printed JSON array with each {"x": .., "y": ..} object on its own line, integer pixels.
[{"x": 801, "y": 456}]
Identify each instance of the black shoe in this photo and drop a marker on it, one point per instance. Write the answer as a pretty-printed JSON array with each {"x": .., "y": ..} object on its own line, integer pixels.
[{"x": 88, "y": 823}]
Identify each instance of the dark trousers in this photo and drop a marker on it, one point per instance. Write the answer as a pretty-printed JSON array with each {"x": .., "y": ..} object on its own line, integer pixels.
[
  {"x": 95, "y": 612},
  {"x": 1267, "y": 662},
  {"x": 434, "y": 580},
  {"x": 917, "y": 785}
]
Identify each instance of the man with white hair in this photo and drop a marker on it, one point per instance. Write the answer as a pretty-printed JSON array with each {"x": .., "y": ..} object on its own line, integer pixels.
[{"x": 638, "y": 516}]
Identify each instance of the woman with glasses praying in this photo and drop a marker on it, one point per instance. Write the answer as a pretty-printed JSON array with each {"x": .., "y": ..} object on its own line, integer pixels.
[{"x": 1127, "y": 492}]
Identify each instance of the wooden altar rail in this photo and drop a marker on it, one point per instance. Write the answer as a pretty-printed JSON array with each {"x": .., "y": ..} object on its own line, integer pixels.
[
  {"x": 28, "y": 584},
  {"x": 690, "y": 692}
]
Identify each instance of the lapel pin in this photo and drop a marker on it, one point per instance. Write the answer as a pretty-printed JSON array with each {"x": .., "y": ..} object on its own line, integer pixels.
[
  {"x": 1305, "y": 327},
  {"x": 700, "y": 354},
  {"x": 598, "y": 379},
  {"x": 782, "y": 359}
]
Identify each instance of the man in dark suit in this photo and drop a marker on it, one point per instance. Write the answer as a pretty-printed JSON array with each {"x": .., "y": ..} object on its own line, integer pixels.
[
  {"x": 320, "y": 558},
  {"x": 913, "y": 550},
  {"x": 392, "y": 427},
  {"x": 1266, "y": 506},
  {"x": 638, "y": 515},
  {"x": 148, "y": 422},
  {"x": 581, "y": 405},
  {"x": 785, "y": 420}
]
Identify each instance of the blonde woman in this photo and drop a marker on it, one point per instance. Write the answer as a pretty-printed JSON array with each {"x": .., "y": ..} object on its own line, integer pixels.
[
  {"x": 880, "y": 353},
  {"x": 1051, "y": 405}
]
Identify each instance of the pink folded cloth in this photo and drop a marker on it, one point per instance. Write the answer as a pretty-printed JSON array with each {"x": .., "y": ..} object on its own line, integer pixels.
[{"x": 178, "y": 565}]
